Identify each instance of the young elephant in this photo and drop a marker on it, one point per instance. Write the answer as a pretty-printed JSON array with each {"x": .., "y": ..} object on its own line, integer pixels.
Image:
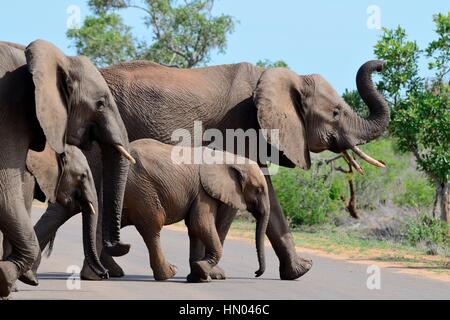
[
  {"x": 68, "y": 182},
  {"x": 161, "y": 192}
]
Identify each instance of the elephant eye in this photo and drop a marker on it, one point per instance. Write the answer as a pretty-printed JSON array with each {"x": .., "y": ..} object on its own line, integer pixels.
[
  {"x": 83, "y": 176},
  {"x": 336, "y": 114},
  {"x": 100, "y": 105}
]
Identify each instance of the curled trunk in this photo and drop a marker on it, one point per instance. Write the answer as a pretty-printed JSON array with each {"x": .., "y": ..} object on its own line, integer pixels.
[{"x": 377, "y": 122}]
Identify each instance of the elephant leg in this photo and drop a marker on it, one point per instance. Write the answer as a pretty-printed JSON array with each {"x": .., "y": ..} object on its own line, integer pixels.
[
  {"x": 47, "y": 226},
  {"x": 150, "y": 231},
  {"x": 224, "y": 219},
  {"x": 292, "y": 266},
  {"x": 20, "y": 234},
  {"x": 202, "y": 227}
]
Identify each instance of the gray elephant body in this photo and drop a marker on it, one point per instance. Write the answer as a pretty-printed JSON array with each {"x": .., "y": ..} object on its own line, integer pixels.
[
  {"x": 48, "y": 97},
  {"x": 162, "y": 192}
]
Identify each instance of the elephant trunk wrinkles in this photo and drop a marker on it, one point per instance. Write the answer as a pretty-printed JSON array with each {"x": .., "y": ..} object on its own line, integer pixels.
[
  {"x": 377, "y": 122},
  {"x": 90, "y": 207},
  {"x": 262, "y": 222},
  {"x": 115, "y": 172}
]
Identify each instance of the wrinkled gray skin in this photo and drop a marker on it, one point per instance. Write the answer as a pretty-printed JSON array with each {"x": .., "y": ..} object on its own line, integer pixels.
[
  {"x": 160, "y": 192},
  {"x": 68, "y": 182},
  {"x": 46, "y": 96},
  {"x": 312, "y": 117}
]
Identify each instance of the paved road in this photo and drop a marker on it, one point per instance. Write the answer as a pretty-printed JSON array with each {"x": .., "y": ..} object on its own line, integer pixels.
[{"x": 329, "y": 278}]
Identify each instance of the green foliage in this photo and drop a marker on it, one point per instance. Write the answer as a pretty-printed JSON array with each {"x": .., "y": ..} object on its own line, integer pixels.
[
  {"x": 420, "y": 108},
  {"x": 306, "y": 198},
  {"x": 105, "y": 39},
  {"x": 418, "y": 193},
  {"x": 183, "y": 33},
  {"x": 400, "y": 75},
  {"x": 427, "y": 229},
  {"x": 439, "y": 49},
  {"x": 267, "y": 64}
]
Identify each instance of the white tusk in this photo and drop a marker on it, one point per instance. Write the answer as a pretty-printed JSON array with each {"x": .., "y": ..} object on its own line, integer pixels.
[
  {"x": 368, "y": 159},
  {"x": 125, "y": 154},
  {"x": 353, "y": 162},
  {"x": 91, "y": 206}
]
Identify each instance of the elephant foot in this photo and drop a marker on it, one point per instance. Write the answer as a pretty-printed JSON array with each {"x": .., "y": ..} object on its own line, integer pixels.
[
  {"x": 165, "y": 273},
  {"x": 8, "y": 276},
  {"x": 88, "y": 275},
  {"x": 29, "y": 278},
  {"x": 202, "y": 268},
  {"x": 115, "y": 271},
  {"x": 217, "y": 273},
  {"x": 117, "y": 249},
  {"x": 295, "y": 269},
  {"x": 195, "y": 278}
]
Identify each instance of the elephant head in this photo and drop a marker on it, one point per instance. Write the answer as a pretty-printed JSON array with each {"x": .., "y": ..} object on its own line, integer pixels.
[
  {"x": 75, "y": 106},
  {"x": 243, "y": 187},
  {"x": 311, "y": 116},
  {"x": 68, "y": 181}
]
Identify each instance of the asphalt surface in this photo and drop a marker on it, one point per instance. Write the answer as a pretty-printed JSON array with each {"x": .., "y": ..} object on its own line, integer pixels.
[{"x": 329, "y": 278}]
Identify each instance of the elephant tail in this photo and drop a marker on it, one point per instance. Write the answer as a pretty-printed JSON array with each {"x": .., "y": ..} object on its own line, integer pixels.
[{"x": 49, "y": 248}]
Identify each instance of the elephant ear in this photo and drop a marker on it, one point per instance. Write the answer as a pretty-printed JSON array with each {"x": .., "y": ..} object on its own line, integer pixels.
[
  {"x": 278, "y": 100},
  {"x": 44, "y": 167},
  {"x": 224, "y": 183},
  {"x": 49, "y": 69}
]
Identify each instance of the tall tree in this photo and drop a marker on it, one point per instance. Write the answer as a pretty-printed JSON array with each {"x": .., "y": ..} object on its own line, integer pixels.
[
  {"x": 420, "y": 106},
  {"x": 181, "y": 33}
]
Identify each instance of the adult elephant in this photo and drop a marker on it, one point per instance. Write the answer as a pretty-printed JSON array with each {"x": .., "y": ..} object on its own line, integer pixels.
[
  {"x": 155, "y": 100},
  {"x": 46, "y": 96}
]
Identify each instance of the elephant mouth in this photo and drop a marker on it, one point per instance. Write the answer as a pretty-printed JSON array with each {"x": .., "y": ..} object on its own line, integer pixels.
[{"x": 354, "y": 164}]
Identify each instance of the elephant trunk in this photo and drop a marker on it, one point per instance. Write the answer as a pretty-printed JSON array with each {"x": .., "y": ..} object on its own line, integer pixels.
[
  {"x": 262, "y": 222},
  {"x": 377, "y": 122},
  {"x": 89, "y": 214},
  {"x": 115, "y": 172}
]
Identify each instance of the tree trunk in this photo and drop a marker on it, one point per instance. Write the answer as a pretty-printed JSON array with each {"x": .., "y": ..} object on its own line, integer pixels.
[
  {"x": 445, "y": 202},
  {"x": 442, "y": 201}
]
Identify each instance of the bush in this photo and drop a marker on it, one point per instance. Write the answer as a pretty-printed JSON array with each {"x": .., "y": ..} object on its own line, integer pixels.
[
  {"x": 306, "y": 198},
  {"x": 427, "y": 229},
  {"x": 418, "y": 193}
]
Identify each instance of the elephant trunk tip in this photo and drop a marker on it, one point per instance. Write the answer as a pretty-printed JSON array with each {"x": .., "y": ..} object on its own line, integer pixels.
[{"x": 260, "y": 272}]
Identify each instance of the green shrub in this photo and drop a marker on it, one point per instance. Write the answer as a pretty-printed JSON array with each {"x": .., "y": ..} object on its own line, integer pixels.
[
  {"x": 305, "y": 198},
  {"x": 427, "y": 229},
  {"x": 418, "y": 193}
]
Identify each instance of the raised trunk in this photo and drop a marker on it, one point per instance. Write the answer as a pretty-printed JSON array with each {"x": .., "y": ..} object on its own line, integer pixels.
[
  {"x": 377, "y": 122},
  {"x": 115, "y": 172},
  {"x": 262, "y": 220}
]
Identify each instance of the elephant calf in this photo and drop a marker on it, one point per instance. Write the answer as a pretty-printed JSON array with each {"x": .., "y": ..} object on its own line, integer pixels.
[
  {"x": 161, "y": 192},
  {"x": 69, "y": 183}
]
